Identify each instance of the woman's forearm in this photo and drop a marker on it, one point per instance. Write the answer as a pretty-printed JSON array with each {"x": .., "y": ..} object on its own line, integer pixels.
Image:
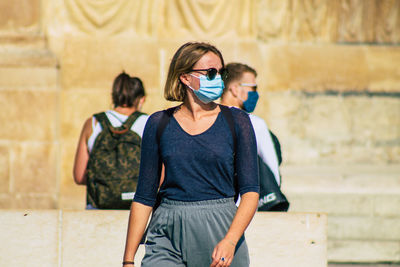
[
  {"x": 138, "y": 218},
  {"x": 243, "y": 217}
]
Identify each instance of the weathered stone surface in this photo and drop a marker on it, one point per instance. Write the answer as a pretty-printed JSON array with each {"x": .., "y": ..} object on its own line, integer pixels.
[
  {"x": 385, "y": 205},
  {"x": 374, "y": 21},
  {"x": 364, "y": 227},
  {"x": 20, "y": 57},
  {"x": 20, "y": 15},
  {"x": 316, "y": 67},
  {"x": 24, "y": 41},
  {"x": 342, "y": 179},
  {"x": 88, "y": 227},
  {"x": 363, "y": 251},
  {"x": 28, "y": 115},
  {"x": 72, "y": 196},
  {"x": 82, "y": 67},
  {"x": 331, "y": 203},
  {"x": 287, "y": 20},
  {"x": 336, "y": 127},
  {"x": 4, "y": 169},
  {"x": 29, "y": 201},
  {"x": 305, "y": 244},
  {"x": 34, "y": 168},
  {"x": 63, "y": 235},
  {"x": 40, "y": 78},
  {"x": 79, "y": 105},
  {"x": 383, "y": 65},
  {"x": 29, "y": 236},
  {"x": 332, "y": 67}
]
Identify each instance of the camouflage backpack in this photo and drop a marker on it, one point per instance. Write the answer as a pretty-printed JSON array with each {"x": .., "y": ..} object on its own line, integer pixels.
[{"x": 113, "y": 166}]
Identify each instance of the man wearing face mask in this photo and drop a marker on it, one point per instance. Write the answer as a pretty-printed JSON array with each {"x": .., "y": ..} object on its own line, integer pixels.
[{"x": 241, "y": 92}]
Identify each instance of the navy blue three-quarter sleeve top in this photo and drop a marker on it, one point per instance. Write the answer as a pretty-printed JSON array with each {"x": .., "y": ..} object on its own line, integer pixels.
[{"x": 197, "y": 167}]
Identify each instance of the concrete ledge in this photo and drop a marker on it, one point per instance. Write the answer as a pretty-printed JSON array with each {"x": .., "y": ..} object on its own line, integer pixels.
[{"x": 97, "y": 238}]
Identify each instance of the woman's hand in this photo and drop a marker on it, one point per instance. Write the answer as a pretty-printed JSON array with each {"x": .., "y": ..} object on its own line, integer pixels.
[{"x": 223, "y": 253}]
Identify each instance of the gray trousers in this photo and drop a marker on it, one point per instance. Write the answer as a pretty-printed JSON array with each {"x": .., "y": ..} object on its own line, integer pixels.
[{"x": 184, "y": 234}]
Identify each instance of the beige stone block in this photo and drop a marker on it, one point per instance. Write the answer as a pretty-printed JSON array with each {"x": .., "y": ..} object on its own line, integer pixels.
[
  {"x": 34, "y": 168},
  {"x": 364, "y": 228},
  {"x": 23, "y": 54},
  {"x": 287, "y": 239},
  {"x": 77, "y": 106},
  {"x": 363, "y": 251},
  {"x": 20, "y": 15},
  {"x": 29, "y": 237},
  {"x": 383, "y": 67},
  {"x": 316, "y": 67},
  {"x": 99, "y": 231},
  {"x": 374, "y": 120},
  {"x": 299, "y": 21},
  {"x": 82, "y": 67},
  {"x": 326, "y": 120},
  {"x": 387, "y": 205},
  {"x": 72, "y": 196},
  {"x": 282, "y": 113},
  {"x": 4, "y": 169},
  {"x": 393, "y": 155},
  {"x": 28, "y": 115},
  {"x": 29, "y": 78},
  {"x": 342, "y": 179},
  {"x": 29, "y": 201},
  {"x": 333, "y": 128},
  {"x": 23, "y": 41},
  {"x": 331, "y": 203}
]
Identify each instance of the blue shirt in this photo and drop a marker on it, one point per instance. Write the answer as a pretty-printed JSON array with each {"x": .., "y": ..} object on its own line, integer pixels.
[{"x": 197, "y": 167}]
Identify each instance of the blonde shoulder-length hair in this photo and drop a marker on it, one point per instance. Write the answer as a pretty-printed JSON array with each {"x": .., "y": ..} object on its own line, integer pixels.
[{"x": 182, "y": 62}]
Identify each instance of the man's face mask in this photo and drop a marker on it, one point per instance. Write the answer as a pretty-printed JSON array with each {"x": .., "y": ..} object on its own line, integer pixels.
[{"x": 252, "y": 97}]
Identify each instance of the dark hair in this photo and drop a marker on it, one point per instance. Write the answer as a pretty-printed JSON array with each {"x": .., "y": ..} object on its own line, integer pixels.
[
  {"x": 127, "y": 90},
  {"x": 235, "y": 72},
  {"x": 182, "y": 62}
]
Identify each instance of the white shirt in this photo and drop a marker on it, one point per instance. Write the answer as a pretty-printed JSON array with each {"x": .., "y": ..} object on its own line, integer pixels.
[{"x": 265, "y": 145}]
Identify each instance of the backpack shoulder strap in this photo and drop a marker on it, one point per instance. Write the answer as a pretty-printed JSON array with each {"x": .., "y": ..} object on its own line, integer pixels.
[
  {"x": 106, "y": 124},
  {"x": 227, "y": 113},
  {"x": 131, "y": 119},
  {"x": 165, "y": 117},
  {"x": 102, "y": 119},
  {"x": 277, "y": 146}
]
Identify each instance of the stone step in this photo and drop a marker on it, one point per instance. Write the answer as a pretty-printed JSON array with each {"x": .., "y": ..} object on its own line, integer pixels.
[
  {"x": 363, "y": 228},
  {"x": 363, "y": 251},
  {"x": 362, "y": 203},
  {"x": 341, "y": 190},
  {"x": 387, "y": 205},
  {"x": 358, "y": 180}
]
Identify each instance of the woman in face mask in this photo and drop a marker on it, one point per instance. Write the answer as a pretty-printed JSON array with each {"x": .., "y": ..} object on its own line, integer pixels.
[{"x": 208, "y": 153}]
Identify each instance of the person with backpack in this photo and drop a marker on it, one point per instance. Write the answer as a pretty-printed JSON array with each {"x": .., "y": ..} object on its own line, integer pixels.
[
  {"x": 107, "y": 158},
  {"x": 241, "y": 92},
  {"x": 209, "y": 154}
]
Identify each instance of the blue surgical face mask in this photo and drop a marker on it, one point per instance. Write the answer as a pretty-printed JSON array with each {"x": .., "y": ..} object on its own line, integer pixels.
[
  {"x": 250, "y": 104},
  {"x": 210, "y": 90}
]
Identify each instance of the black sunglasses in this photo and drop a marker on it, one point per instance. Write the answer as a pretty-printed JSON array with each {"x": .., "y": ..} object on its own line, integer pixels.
[{"x": 212, "y": 72}]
